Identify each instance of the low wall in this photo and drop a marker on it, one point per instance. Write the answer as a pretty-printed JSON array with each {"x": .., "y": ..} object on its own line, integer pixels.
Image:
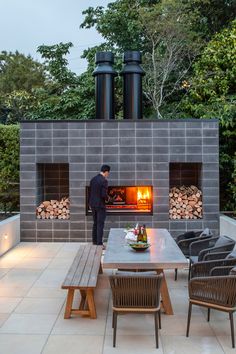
[
  {"x": 9, "y": 233},
  {"x": 228, "y": 226}
]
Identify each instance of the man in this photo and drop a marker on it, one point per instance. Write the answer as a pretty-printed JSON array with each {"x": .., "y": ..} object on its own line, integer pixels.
[{"x": 97, "y": 199}]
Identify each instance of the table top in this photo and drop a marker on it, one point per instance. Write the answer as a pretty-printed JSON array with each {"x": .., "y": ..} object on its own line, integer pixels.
[{"x": 162, "y": 254}]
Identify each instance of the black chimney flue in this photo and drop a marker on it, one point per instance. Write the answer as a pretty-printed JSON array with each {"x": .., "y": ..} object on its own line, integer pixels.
[
  {"x": 132, "y": 85},
  {"x": 104, "y": 77}
]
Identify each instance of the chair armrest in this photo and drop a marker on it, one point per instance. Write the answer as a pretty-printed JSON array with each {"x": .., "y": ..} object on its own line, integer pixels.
[
  {"x": 216, "y": 255},
  {"x": 227, "y": 247},
  {"x": 217, "y": 271},
  {"x": 214, "y": 290},
  {"x": 203, "y": 269},
  {"x": 197, "y": 246}
]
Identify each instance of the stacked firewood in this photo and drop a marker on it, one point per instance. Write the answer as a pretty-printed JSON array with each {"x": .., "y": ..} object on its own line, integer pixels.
[
  {"x": 54, "y": 209},
  {"x": 185, "y": 203}
]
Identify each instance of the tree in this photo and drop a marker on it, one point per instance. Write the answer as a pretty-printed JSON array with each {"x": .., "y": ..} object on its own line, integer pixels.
[
  {"x": 20, "y": 76},
  {"x": 169, "y": 33},
  {"x": 212, "y": 94},
  {"x": 172, "y": 48},
  {"x": 19, "y": 72},
  {"x": 66, "y": 95},
  {"x": 57, "y": 66}
]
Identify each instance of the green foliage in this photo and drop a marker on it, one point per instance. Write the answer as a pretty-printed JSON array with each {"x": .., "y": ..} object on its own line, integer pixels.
[
  {"x": 20, "y": 75},
  {"x": 9, "y": 167},
  {"x": 212, "y": 95},
  {"x": 56, "y": 65},
  {"x": 19, "y": 72}
]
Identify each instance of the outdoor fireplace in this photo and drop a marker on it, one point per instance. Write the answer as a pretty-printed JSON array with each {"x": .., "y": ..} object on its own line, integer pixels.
[
  {"x": 142, "y": 153},
  {"x": 127, "y": 200}
]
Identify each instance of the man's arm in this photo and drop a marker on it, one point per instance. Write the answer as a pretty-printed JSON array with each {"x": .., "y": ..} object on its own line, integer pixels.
[{"x": 104, "y": 189}]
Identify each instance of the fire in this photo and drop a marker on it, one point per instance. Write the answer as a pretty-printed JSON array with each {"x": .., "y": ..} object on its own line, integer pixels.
[{"x": 143, "y": 195}]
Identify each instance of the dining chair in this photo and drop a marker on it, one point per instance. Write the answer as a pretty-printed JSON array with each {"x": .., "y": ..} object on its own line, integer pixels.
[
  {"x": 184, "y": 241},
  {"x": 136, "y": 293},
  {"x": 200, "y": 250},
  {"x": 213, "y": 292}
]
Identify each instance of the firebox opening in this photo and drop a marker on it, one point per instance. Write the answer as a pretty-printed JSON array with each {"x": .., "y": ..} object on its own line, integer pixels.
[
  {"x": 127, "y": 200},
  {"x": 53, "y": 191},
  {"x": 185, "y": 195}
]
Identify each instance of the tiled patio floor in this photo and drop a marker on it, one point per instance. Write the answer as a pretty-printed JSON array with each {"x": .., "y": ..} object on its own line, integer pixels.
[{"x": 32, "y": 307}]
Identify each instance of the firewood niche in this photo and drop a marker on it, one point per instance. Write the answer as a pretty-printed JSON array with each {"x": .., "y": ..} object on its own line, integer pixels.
[
  {"x": 53, "y": 191},
  {"x": 185, "y": 195}
]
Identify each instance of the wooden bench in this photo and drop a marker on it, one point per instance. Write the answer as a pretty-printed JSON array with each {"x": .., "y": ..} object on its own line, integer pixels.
[{"x": 82, "y": 276}]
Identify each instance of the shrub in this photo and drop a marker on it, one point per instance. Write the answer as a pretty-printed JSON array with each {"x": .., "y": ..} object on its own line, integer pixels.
[{"x": 9, "y": 167}]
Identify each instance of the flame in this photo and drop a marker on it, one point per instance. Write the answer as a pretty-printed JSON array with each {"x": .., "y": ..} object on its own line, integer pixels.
[{"x": 143, "y": 195}]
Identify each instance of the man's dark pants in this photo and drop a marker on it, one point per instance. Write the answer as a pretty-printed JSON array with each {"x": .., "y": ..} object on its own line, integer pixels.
[{"x": 99, "y": 216}]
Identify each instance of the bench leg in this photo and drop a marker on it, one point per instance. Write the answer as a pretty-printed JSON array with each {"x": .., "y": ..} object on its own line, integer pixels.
[
  {"x": 69, "y": 302},
  {"x": 83, "y": 299},
  {"x": 91, "y": 303},
  {"x": 100, "y": 269}
]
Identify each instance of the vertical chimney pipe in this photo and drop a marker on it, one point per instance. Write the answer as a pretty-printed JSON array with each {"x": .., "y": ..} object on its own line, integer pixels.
[
  {"x": 104, "y": 85},
  {"x": 132, "y": 85}
]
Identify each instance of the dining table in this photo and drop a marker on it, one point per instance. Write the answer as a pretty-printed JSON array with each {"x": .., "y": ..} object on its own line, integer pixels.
[{"x": 162, "y": 254}]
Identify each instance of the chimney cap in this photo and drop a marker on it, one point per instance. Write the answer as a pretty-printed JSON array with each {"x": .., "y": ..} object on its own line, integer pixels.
[
  {"x": 132, "y": 55},
  {"x": 102, "y": 57}
]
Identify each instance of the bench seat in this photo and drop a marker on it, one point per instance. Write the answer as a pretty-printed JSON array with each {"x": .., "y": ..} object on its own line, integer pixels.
[{"x": 82, "y": 276}]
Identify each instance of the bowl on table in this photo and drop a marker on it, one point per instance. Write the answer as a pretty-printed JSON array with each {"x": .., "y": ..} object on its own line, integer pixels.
[{"x": 139, "y": 246}]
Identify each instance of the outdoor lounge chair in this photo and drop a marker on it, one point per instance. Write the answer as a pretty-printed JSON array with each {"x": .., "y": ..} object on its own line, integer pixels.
[{"x": 136, "y": 293}]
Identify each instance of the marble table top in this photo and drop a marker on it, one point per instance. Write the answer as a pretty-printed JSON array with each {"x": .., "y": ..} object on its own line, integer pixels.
[{"x": 162, "y": 254}]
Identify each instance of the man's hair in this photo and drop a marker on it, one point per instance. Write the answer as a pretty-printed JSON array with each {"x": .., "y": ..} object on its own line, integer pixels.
[{"x": 105, "y": 168}]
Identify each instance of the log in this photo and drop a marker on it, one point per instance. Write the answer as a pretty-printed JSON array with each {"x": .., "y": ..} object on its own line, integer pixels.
[
  {"x": 54, "y": 209},
  {"x": 185, "y": 202}
]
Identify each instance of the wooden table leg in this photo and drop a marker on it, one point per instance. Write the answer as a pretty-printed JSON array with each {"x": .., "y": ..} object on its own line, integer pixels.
[
  {"x": 69, "y": 302},
  {"x": 166, "y": 302},
  {"x": 91, "y": 303}
]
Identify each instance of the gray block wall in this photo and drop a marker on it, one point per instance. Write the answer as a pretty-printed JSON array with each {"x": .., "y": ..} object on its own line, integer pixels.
[{"x": 139, "y": 153}]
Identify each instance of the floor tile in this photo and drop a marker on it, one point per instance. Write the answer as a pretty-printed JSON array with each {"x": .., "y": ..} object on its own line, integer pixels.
[
  {"x": 21, "y": 344},
  {"x": 20, "y": 277},
  {"x": 60, "y": 263},
  {"x": 3, "y": 318},
  {"x": 80, "y": 325},
  {"x": 133, "y": 344},
  {"x": 226, "y": 343},
  {"x": 60, "y": 344},
  {"x": 4, "y": 271},
  {"x": 8, "y": 304},
  {"x": 33, "y": 263},
  {"x": 132, "y": 324},
  {"x": 46, "y": 292},
  {"x": 193, "y": 345},
  {"x": 28, "y": 324},
  {"x": 51, "y": 278},
  {"x": 40, "y": 306},
  {"x": 13, "y": 291}
]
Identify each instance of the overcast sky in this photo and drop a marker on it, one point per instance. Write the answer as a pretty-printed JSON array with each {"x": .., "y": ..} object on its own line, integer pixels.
[{"x": 26, "y": 24}]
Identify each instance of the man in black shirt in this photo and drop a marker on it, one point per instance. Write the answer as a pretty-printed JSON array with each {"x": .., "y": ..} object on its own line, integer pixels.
[{"x": 97, "y": 198}]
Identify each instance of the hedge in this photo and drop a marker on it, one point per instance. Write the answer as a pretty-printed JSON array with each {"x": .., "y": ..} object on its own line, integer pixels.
[{"x": 9, "y": 167}]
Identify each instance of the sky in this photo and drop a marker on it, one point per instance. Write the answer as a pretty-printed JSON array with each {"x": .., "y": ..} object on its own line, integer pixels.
[{"x": 26, "y": 24}]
